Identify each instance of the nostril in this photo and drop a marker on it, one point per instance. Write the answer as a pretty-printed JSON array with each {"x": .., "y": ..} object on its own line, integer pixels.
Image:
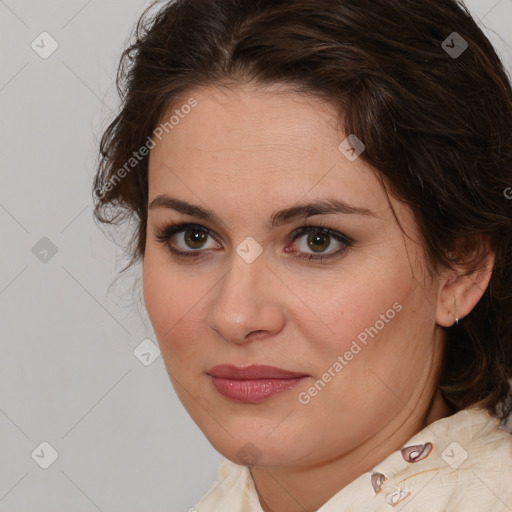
[{"x": 256, "y": 334}]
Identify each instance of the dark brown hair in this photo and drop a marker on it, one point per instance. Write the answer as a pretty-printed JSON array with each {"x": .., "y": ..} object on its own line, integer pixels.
[{"x": 436, "y": 126}]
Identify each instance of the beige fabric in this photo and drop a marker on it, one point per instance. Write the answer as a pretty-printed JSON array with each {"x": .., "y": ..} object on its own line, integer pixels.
[{"x": 462, "y": 463}]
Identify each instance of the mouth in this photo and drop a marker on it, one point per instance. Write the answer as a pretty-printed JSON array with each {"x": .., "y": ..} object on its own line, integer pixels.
[{"x": 255, "y": 383}]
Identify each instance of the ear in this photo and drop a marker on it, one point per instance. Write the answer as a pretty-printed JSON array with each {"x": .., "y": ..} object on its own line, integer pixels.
[{"x": 461, "y": 290}]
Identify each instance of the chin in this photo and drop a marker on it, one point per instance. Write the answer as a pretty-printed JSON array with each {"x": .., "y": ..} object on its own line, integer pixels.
[{"x": 256, "y": 446}]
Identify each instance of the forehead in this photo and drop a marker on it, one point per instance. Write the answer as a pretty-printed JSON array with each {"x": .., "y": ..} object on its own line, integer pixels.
[
  {"x": 247, "y": 135},
  {"x": 244, "y": 120}
]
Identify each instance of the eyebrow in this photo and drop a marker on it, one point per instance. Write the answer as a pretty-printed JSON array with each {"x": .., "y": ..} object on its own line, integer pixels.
[{"x": 299, "y": 211}]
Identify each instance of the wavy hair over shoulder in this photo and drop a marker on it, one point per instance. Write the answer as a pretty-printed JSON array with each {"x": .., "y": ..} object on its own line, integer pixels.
[{"x": 437, "y": 128}]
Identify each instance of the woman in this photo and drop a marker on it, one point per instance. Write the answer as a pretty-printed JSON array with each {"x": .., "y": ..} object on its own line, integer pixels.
[{"x": 320, "y": 196}]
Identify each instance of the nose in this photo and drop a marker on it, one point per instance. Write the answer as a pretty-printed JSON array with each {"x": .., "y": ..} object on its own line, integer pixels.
[{"x": 246, "y": 303}]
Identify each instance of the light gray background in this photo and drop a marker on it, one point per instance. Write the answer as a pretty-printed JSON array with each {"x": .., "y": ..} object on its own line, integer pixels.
[{"x": 68, "y": 373}]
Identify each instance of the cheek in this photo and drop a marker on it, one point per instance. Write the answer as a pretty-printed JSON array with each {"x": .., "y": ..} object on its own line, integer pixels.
[
  {"x": 355, "y": 306},
  {"x": 164, "y": 296},
  {"x": 175, "y": 304},
  {"x": 156, "y": 293},
  {"x": 381, "y": 351}
]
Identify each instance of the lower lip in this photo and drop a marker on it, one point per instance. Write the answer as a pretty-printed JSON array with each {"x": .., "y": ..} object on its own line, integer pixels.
[{"x": 257, "y": 390}]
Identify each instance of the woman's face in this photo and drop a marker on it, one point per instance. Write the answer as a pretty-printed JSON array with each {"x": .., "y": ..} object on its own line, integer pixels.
[{"x": 250, "y": 288}]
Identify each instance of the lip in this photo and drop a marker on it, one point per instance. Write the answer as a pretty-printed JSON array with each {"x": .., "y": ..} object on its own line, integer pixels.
[
  {"x": 253, "y": 372},
  {"x": 254, "y": 383}
]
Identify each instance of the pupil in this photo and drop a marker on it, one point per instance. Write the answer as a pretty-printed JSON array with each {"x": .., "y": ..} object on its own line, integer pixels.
[
  {"x": 196, "y": 238},
  {"x": 318, "y": 241}
]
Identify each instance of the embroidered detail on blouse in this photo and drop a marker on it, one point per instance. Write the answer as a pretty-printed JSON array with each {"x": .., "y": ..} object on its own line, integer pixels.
[
  {"x": 377, "y": 481},
  {"x": 416, "y": 452},
  {"x": 396, "y": 497}
]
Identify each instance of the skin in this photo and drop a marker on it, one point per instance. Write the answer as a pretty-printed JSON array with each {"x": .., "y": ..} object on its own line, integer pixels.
[{"x": 244, "y": 154}]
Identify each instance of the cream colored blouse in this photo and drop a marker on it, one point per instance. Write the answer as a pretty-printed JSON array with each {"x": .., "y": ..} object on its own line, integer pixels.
[{"x": 462, "y": 463}]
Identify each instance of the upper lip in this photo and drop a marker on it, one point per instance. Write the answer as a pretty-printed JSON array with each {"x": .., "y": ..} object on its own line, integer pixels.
[{"x": 229, "y": 371}]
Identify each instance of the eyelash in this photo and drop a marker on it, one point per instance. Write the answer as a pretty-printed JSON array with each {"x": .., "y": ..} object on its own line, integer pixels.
[{"x": 164, "y": 236}]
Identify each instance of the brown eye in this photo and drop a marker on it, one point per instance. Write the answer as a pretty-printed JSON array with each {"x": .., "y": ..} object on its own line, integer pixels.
[
  {"x": 187, "y": 240},
  {"x": 318, "y": 241},
  {"x": 312, "y": 242},
  {"x": 195, "y": 238}
]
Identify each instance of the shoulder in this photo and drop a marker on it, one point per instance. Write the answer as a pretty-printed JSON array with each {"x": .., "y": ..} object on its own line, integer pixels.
[
  {"x": 482, "y": 450},
  {"x": 459, "y": 463},
  {"x": 476, "y": 441}
]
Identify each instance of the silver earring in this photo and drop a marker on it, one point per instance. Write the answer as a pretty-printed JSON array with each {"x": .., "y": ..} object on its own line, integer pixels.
[{"x": 456, "y": 321}]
